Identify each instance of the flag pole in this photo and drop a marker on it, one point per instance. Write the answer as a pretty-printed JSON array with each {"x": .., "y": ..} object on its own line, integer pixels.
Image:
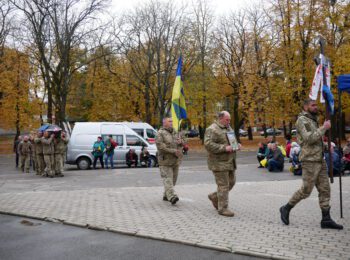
[
  {"x": 339, "y": 147},
  {"x": 328, "y": 116}
]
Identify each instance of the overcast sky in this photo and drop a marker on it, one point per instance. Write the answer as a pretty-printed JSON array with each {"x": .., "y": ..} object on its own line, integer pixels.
[{"x": 220, "y": 6}]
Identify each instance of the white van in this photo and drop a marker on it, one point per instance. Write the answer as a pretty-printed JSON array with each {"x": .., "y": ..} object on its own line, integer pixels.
[
  {"x": 84, "y": 135},
  {"x": 143, "y": 129}
]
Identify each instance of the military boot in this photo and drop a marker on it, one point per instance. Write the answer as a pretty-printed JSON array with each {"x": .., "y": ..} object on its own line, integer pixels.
[
  {"x": 226, "y": 213},
  {"x": 165, "y": 198},
  {"x": 285, "y": 213},
  {"x": 174, "y": 199},
  {"x": 327, "y": 221},
  {"x": 214, "y": 200}
]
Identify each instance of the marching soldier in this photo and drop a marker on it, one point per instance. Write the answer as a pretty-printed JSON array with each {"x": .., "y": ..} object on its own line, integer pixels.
[
  {"x": 221, "y": 161},
  {"x": 48, "y": 151},
  {"x": 309, "y": 136},
  {"x": 25, "y": 150},
  {"x": 40, "y": 166},
  {"x": 169, "y": 158}
]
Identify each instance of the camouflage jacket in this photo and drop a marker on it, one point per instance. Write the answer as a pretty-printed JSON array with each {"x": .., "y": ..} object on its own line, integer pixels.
[
  {"x": 215, "y": 142},
  {"x": 25, "y": 148},
  {"x": 48, "y": 145},
  {"x": 38, "y": 146},
  {"x": 60, "y": 145},
  {"x": 167, "y": 147},
  {"x": 309, "y": 136}
]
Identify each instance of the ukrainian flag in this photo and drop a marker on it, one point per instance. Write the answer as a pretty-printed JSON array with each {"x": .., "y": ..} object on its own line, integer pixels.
[{"x": 178, "y": 105}]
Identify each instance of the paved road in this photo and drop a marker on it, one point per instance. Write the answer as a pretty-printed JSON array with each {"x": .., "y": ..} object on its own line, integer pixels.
[
  {"x": 44, "y": 240},
  {"x": 129, "y": 201},
  {"x": 194, "y": 170}
]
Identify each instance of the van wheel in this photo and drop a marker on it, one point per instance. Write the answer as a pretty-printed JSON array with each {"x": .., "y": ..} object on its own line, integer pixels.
[
  {"x": 154, "y": 162},
  {"x": 83, "y": 163}
]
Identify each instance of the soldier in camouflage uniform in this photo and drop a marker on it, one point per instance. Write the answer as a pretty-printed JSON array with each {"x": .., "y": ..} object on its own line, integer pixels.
[
  {"x": 169, "y": 158},
  {"x": 33, "y": 154},
  {"x": 48, "y": 151},
  {"x": 314, "y": 167},
  {"x": 222, "y": 161},
  {"x": 60, "y": 149},
  {"x": 25, "y": 150},
  {"x": 40, "y": 166}
]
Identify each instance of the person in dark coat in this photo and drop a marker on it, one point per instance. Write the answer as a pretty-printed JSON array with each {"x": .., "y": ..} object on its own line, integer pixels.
[{"x": 131, "y": 158}]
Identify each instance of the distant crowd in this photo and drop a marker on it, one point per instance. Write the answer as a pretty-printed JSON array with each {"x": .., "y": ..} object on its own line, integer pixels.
[
  {"x": 271, "y": 156},
  {"x": 103, "y": 151},
  {"x": 44, "y": 152}
]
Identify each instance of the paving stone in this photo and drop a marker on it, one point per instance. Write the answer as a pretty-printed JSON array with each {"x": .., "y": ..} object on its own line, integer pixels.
[{"x": 256, "y": 228}]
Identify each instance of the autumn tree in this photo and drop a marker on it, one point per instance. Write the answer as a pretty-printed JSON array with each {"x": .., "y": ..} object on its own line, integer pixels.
[{"x": 61, "y": 32}]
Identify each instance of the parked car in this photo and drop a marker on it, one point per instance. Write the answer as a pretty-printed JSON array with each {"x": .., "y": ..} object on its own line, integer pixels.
[
  {"x": 243, "y": 132},
  {"x": 192, "y": 133},
  {"x": 85, "y": 134},
  {"x": 270, "y": 131}
]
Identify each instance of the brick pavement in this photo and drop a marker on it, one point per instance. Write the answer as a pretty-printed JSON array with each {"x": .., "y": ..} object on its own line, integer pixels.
[{"x": 256, "y": 229}]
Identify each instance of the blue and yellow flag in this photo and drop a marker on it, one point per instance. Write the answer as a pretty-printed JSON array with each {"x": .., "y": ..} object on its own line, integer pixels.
[{"x": 178, "y": 105}]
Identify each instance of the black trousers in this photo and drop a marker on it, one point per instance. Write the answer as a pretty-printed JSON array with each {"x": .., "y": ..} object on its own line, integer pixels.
[
  {"x": 17, "y": 160},
  {"x": 101, "y": 161},
  {"x": 260, "y": 158}
]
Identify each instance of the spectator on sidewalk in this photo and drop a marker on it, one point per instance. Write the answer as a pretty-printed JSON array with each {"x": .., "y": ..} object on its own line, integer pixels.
[
  {"x": 145, "y": 157},
  {"x": 98, "y": 150},
  {"x": 346, "y": 158},
  {"x": 15, "y": 149},
  {"x": 131, "y": 158},
  {"x": 336, "y": 162},
  {"x": 275, "y": 160},
  {"x": 110, "y": 145},
  {"x": 261, "y": 153},
  {"x": 288, "y": 144}
]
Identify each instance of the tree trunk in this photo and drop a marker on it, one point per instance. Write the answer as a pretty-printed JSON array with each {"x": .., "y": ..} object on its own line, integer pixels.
[
  {"x": 49, "y": 105},
  {"x": 284, "y": 129},
  {"x": 250, "y": 133},
  {"x": 236, "y": 120},
  {"x": 204, "y": 106}
]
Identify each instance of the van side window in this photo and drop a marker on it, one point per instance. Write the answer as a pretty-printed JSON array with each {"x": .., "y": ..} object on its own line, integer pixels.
[
  {"x": 133, "y": 140},
  {"x": 117, "y": 138},
  {"x": 138, "y": 131},
  {"x": 151, "y": 133}
]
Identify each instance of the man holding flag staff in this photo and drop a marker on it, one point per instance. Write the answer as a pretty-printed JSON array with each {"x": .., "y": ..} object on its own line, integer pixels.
[
  {"x": 169, "y": 142},
  {"x": 309, "y": 136}
]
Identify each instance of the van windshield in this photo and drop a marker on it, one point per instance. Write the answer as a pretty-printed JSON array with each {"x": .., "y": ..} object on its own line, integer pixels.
[{"x": 151, "y": 133}]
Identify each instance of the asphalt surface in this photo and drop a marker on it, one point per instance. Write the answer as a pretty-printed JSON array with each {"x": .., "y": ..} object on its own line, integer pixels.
[
  {"x": 41, "y": 240},
  {"x": 56, "y": 241},
  {"x": 193, "y": 170}
]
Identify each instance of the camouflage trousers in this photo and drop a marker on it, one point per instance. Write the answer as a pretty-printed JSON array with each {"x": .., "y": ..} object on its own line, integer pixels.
[
  {"x": 58, "y": 164},
  {"x": 39, "y": 164},
  {"x": 49, "y": 164},
  {"x": 25, "y": 162},
  {"x": 314, "y": 174},
  {"x": 169, "y": 176},
  {"x": 225, "y": 180}
]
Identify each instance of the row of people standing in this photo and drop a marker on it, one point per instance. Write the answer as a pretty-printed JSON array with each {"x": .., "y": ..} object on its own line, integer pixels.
[
  {"x": 104, "y": 152},
  {"x": 45, "y": 151}
]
